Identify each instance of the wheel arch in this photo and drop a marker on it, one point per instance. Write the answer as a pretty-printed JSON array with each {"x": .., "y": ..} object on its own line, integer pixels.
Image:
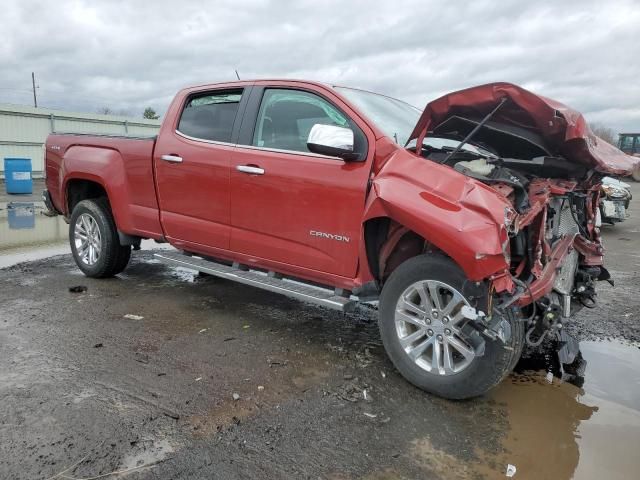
[
  {"x": 389, "y": 243},
  {"x": 90, "y": 172},
  {"x": 78, "y": 189}
]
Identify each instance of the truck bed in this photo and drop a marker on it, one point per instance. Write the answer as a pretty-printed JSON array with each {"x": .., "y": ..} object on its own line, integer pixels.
[{"x": 126, "y": 161}]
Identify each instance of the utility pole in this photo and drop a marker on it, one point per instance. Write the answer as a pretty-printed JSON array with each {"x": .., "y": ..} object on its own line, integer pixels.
[{"x": 33, "y": 82}]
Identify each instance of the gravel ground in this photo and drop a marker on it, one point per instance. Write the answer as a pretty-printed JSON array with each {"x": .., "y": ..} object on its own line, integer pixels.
[{"x": 179, "y": 376}]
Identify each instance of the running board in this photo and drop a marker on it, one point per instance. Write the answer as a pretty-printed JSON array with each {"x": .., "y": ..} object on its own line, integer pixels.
[{"x": 271, "y": 281}]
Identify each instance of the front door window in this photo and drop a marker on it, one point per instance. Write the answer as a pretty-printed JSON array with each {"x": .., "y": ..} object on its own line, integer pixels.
[{"x": 287, "y": 116}]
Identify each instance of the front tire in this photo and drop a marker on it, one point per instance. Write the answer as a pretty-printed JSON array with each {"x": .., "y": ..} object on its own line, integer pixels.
[
  {"x": 423, "y": 331},
  {"x": 94, "y": 240}
]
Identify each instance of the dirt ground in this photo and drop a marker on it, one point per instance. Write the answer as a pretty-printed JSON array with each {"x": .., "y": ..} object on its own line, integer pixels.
[{"x": 166, "y": 374}]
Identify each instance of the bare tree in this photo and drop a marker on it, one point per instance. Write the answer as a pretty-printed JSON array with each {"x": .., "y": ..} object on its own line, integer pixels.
[
  {"x": 105, "y": 111},
  {"x": 605, "y": 133}
]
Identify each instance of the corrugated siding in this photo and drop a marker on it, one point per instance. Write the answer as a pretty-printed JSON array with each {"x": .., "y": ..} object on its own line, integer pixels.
[
  {"x": 23, "y": 130},
  {"x": 17, "y": 128}
]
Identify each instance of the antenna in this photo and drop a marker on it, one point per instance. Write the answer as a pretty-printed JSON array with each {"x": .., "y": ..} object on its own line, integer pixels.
[{"x": 237, "y": 74}]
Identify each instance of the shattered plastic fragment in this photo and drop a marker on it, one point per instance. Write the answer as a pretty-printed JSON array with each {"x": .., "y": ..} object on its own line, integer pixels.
[
  {"x": 511, "y": 470},
  {"x": 370, "y": 415},
  {"x": 236, "y": 396},
  {"x": 203, "y": 330},
  {"x": 131, "y": 316}
]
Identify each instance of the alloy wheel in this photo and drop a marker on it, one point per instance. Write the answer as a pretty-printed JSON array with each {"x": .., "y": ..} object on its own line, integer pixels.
[
  {"x": 87, "y": 239},
  {"x": 429, "y": 324}
]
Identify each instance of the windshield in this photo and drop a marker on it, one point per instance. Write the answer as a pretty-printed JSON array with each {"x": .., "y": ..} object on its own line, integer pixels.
[{"x": 394, "y": 117}]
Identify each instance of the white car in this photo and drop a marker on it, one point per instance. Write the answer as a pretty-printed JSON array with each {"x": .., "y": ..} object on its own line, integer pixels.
[{"x": 614, "y": 200}]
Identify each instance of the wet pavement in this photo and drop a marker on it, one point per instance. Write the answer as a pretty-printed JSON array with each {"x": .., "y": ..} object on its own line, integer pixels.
[
  {"x": 219, "y": 380},
  {"x": 26, "y": 233}
]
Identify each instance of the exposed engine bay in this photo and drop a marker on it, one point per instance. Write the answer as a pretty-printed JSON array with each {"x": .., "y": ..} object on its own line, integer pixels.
[
  {"x": 542, "y": 158},
  {"x": 553, "y": 243}
]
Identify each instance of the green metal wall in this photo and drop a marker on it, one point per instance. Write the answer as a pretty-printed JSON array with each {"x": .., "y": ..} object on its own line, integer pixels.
[{"x": 23, "y": 130}]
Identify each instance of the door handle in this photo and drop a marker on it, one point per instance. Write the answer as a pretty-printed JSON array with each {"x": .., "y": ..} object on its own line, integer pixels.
[
  {"x": 250, "y": 169},
  {"x": 171, "y": 158}
]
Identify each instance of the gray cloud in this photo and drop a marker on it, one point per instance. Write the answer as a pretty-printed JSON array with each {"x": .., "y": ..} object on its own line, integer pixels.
[{"x": 128, "y": 55}]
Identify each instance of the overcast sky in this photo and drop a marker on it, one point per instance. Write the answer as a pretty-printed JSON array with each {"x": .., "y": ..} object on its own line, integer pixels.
[{"x": 128, "y": 55}]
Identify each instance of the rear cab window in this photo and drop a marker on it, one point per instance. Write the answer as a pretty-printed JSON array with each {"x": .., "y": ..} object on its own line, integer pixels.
[{"x": 211, "y": 115}]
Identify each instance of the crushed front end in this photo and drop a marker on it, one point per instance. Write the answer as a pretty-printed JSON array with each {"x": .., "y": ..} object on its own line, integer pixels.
[
  {"x": 542, "y": 157},
  {"x": 556, "y": 255}
]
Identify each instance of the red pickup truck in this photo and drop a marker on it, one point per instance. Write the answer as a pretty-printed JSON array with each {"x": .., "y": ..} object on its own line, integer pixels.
[{"x": 474, "y": 223}]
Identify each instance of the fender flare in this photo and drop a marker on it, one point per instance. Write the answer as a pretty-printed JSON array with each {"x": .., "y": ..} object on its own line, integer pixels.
[{"x": 105, "y": 167}]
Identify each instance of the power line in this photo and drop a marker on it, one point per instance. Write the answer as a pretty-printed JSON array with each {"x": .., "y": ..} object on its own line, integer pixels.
[{"x": 16, "y": 89}]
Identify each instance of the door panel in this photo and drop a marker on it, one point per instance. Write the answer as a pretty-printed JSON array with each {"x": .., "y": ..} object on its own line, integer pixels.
[
  {"x": 194, "y": 194},
  {"x": 300, "y": 208},
  {"x": 192, "y": 169},
  {"x": 304, "y": 210}
]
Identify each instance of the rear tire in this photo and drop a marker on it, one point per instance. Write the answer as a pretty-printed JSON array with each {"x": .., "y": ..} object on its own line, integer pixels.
[
  {"x": 94, "y": 240},
  {"x": 458, "y": 369}
]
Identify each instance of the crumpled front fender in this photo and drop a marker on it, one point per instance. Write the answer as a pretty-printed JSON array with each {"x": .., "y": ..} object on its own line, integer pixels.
[{"x": 459, "y": 215}]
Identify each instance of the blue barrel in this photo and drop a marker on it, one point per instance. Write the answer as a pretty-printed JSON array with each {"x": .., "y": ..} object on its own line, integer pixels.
[{"x": 17, "y": 175}]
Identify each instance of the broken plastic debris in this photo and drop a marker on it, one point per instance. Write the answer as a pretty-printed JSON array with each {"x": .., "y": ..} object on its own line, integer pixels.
[
  {"x": 236, "y": 396},
  {"x": 198, "y": 379},
  {"x": 370, "y": 415},
  {"x": 549, "y": 377},
  {"x": 511, "y": 470},
  {"x": 246, "y": 326},
  {"x": 364, "y": 394},
  {"x": 471, "y": 313},
  {"x": 384, "y": 375},
  {"x": 203, "y": 330},
  {"x": 260, "y": 387},
  {"x": 131, "y": 316}
]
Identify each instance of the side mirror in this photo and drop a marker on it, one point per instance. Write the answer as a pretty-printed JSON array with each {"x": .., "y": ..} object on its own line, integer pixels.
[{"x": 331, "y": 140}]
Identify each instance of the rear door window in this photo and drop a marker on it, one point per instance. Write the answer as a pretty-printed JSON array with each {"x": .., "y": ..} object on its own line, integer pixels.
[{"x": 210, "y": 116}]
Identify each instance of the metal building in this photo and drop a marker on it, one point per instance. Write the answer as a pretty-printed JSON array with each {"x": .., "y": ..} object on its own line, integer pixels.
[{"x": 23, "y": 130}]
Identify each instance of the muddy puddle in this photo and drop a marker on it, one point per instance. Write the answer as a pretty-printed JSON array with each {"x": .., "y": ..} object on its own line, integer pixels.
[
  {"x": 584, "y": 425},
  {"x": 27, "y": 234}
]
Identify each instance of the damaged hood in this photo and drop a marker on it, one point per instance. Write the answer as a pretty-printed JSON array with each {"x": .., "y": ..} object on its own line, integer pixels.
[{"x": 526, "y": 122}]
